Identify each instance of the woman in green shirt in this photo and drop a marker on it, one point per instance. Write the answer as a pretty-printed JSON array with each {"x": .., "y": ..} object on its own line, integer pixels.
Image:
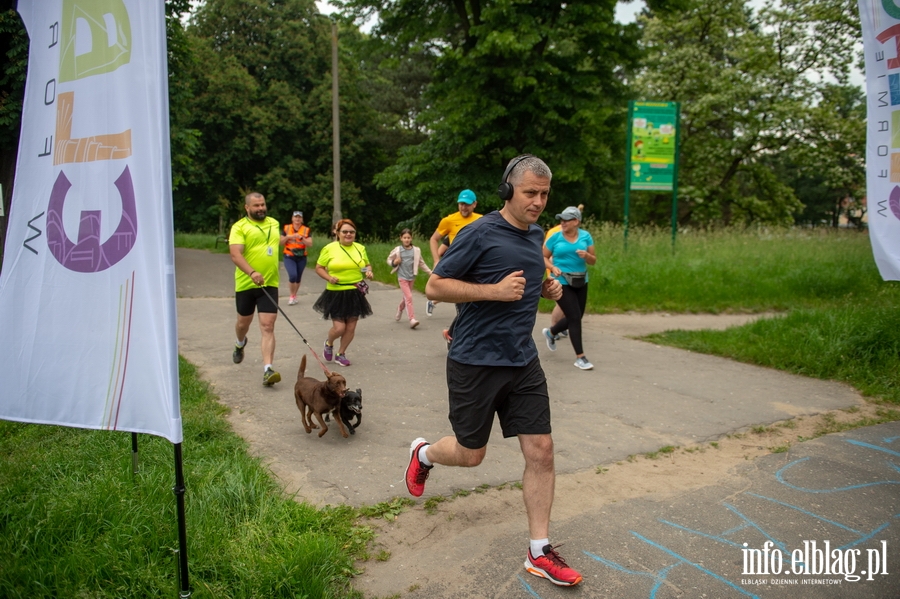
[{"x": 344, "y": 264}]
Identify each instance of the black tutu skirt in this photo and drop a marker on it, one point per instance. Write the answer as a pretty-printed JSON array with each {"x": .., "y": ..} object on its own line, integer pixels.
[{"x": 342, "y": 305}]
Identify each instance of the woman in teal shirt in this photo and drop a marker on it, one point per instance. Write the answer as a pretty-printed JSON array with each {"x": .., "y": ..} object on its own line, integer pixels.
[
  {"x": 567, "y": 254},
  {"x": 344, "y": 264}
]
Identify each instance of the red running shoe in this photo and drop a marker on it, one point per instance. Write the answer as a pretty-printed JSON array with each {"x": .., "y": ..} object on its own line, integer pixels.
[
  {"x": 552, "y": 567},
  {"x": 416, "y": 471}
]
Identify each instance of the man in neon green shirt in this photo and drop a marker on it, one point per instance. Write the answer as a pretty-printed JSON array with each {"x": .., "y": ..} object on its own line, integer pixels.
[{"x": 253, "y": 244}]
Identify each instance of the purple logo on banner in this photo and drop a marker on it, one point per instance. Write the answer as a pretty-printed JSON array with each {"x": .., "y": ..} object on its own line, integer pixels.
[{"x": 88, "y": 254}]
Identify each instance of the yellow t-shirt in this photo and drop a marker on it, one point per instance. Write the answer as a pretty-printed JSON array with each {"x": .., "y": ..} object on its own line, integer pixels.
[
  {"x": 450, "y": 225},
  {"x": 345, "y": 263},
  {"x": 260, "y": 241},
  {"x": 547, "y": 236}
]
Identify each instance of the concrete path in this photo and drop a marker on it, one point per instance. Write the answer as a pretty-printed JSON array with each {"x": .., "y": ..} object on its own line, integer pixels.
[{"x": 640, "y": 397}]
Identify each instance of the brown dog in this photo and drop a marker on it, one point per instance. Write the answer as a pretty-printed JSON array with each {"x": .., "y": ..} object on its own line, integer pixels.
[{"x": 320, "y": 398}]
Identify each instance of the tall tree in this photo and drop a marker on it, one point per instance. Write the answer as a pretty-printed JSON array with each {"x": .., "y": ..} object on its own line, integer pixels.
[
  {"x": 510, "y": 76},
  {"x": 748, "y": 84},
  {"x": 827, "y": 167},
  {"x": 261, "y": 102}
]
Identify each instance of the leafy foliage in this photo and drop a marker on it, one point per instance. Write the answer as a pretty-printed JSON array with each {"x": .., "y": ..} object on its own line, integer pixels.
[
  {"x": 14, "y": 50},
  {"x": 544, "y": 77},
  {"x": 443, "y": 93},
  {"x": 766, "y": 97},
  {"x": 259, "y": 101}
]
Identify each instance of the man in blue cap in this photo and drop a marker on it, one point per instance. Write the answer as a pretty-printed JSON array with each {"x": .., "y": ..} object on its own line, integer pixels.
[{"x": 448, "y": 228}]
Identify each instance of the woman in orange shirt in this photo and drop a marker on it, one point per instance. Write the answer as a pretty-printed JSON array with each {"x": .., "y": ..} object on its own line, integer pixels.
[{"x": 296, "y": 240}]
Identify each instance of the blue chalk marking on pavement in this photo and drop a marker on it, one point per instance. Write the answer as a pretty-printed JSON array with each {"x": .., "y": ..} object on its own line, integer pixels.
[
  {"x": 865, "y": 538},
  {"x": 808, "y": 513},
  {"x": 780, "y": 477},
  {"x": 734, "y": 530},
  {"x": 658, "y": 577},
  {"x": 861, "y": 536},
  {"x": 719, "y": 538},
  {"x": 753, "y": 524},
  {"x": 528, "y": 588},
  {"x": 890, "y": 439},
  {"x": 875, "y": 447},
  {"x": 686, "y": 561}
]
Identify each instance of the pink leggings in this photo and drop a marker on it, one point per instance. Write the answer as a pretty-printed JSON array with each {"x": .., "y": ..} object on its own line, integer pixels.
[{"x": 406, "y": 288}]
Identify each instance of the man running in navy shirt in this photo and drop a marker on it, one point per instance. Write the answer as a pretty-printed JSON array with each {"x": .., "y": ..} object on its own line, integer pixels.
[{"x": 494, "y": 272}]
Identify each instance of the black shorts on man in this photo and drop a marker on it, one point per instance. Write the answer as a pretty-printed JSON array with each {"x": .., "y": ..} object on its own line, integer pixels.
[
  {"x": 251, "y": 300},
  {"x": 517, "y": 394}
]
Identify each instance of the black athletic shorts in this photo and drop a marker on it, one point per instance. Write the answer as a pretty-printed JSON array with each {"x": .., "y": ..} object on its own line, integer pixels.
[
  {"x": 254, "y": 299},
  {"x": 517, "y": 394}
]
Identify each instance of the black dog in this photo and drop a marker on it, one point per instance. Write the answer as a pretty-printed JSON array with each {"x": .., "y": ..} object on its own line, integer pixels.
[{"x": 351, "y": 406}]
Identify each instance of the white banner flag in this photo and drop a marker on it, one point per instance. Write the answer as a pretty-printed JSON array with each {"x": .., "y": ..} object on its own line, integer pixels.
[
  {"x": 88, "y": 335},
  {"x": 881, "y": 42}
]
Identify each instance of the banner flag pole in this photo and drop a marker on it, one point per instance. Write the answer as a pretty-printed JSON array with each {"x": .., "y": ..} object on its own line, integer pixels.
[
  {"x": 178, "y": 489},
  {"x": 134, "y": 454}
]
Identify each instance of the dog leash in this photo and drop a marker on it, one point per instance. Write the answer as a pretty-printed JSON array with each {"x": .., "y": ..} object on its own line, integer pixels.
[{"x": 315, "y": 355}]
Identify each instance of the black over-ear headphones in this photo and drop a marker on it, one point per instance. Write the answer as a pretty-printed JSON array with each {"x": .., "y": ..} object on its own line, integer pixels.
[{"x": 505, "y": 191}]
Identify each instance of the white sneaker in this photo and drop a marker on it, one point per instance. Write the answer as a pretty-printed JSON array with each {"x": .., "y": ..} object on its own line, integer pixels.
[
  {"x": 292, "y": 301},
  {"x": 429, "y": 308},
  {"x": 398, "y": 314},
  {"x": 551, "y": 340},
  {"x": 583, "y": 363},
  {"x": 413, "y": 323}
]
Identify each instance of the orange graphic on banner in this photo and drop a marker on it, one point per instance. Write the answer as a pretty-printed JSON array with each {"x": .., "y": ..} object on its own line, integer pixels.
[
  {"x": 85, "y": 149},
  {"x": 895, "y": 168}
]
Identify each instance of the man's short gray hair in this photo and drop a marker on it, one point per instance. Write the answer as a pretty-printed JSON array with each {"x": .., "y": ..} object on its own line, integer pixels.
[
  {"x": 532, "y": 164},
  {"x": 252, "y": 196}
]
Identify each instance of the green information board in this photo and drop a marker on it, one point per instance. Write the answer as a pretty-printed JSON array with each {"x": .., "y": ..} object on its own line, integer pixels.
[
  {"x": 651, "y": 157},
  {"x": 652, "y": 151}
]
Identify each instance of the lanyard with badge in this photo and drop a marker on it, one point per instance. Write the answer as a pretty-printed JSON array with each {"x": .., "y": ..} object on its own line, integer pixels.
[{"x": 268, "y": 234}]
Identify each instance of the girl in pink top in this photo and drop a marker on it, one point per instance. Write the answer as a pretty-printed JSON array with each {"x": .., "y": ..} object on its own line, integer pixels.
[{"x": 406, "y": 260}]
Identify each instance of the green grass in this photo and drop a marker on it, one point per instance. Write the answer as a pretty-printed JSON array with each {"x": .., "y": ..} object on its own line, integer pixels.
[
  {"x": 709, "y": 272},
  {"x": 857, "y": 341},
  {"x": 201, "y": 241},
  {"x": 74, "y": 522},
  {"x": 729, "y": 271}
]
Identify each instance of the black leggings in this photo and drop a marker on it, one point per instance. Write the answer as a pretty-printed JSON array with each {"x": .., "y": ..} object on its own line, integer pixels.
[{"x": 572, "y": 303}]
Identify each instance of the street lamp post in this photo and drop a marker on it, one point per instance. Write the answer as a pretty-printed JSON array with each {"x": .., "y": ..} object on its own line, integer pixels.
[{"x": 335, "y": 125}]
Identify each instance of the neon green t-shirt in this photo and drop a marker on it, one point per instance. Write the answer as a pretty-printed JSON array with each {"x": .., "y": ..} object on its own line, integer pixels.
[
  {"x": 345, "y": 263},
  {"x": 260, "y": 241}
]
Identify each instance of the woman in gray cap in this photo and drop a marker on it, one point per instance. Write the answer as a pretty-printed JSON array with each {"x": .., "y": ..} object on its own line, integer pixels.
[{"x": 567, "y": 254}]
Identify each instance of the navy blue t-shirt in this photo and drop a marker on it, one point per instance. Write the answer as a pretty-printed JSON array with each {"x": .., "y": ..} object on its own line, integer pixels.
[{"x": 486, "y": 251}]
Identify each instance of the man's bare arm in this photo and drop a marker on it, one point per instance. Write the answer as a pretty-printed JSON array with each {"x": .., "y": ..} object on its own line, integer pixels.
[
  {"x": 509, "y": 289},
  {"x": 435, "y": 243}
]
